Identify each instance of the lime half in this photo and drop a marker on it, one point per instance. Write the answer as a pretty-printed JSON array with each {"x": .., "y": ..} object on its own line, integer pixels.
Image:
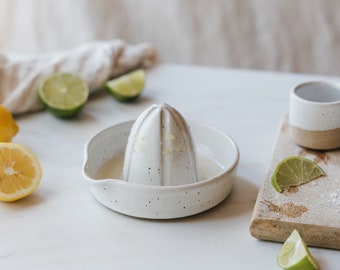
[
  {"x": 294, "y": 254},
  {"x": 128, "y": 87},
  {"x": 294, "y": 171},
  {"x": 63, "y": 94}
]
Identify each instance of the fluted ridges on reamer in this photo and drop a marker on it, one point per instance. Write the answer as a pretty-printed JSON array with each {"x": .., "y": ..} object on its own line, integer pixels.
[{"x": 160, "y": 149}]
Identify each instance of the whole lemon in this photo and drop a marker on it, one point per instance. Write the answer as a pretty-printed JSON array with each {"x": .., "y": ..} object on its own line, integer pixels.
[{"x": 8, "y": 127}]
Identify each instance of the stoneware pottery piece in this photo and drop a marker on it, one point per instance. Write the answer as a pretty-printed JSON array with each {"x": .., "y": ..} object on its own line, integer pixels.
[
  {"x": 314, "y": 115},
  {"x": 217, "y": 161}
]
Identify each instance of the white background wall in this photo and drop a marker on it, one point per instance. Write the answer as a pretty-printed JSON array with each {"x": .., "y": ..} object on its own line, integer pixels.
[{"x": 285, "y": 35}]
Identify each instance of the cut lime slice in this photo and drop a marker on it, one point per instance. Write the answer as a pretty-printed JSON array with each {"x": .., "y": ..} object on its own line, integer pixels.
[
  {"x": 128, "y": 87},
  {"x": 294, "y": 171},
  {"x": 63, "y": 94},
  {"x": 294, "y": 254}
]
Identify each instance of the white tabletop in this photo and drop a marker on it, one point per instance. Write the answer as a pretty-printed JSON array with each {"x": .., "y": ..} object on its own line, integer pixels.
[{"x": 62, "y": 226}]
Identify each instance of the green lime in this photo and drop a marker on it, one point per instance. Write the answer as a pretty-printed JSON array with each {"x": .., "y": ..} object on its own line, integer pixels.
[
  {"x": 294, "y": 254},
  {"x": 294, "y": 171},
  {"x": 63, "y": 94},
  {"x": 127, "y": 87}
]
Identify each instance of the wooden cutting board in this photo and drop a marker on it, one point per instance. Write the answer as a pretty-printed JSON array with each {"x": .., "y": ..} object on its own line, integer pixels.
[{"x": 313, "y": 208}]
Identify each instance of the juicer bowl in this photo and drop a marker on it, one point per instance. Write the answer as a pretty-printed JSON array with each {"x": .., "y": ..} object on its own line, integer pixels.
[{"x": 162, "y": 202}]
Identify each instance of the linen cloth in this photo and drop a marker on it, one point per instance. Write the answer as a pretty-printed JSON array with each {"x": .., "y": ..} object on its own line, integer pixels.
[{"x": 96, "y": 62}]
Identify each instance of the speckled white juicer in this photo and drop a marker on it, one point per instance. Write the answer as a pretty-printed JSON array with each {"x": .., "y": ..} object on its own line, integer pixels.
[{"x": 167, "y": 170}]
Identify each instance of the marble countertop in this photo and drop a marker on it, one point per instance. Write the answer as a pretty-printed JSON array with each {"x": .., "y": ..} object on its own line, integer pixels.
[{"x": 62, "y": 226}]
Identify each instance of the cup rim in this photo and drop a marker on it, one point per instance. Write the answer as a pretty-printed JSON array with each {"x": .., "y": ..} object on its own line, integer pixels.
[{"x": 322, "y": 83}]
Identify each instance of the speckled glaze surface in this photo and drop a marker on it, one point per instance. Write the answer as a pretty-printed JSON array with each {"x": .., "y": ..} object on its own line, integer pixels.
[
  {"x": 160, "y": 151},
  {"x": 314, "y": 115},
  {"x": 160, "y": 202}
]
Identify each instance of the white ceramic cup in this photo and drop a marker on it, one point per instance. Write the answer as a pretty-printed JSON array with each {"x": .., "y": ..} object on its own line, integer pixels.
[{"x": 314, "y": 115}]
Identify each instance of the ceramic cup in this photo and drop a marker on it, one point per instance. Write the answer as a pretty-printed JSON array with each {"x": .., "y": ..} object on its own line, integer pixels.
[{"x": 314, "y": 115}]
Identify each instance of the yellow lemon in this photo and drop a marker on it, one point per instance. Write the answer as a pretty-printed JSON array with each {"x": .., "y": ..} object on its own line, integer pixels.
[
  {"x": 8, "y": 127},
  {"x": 20, "y": 172}
]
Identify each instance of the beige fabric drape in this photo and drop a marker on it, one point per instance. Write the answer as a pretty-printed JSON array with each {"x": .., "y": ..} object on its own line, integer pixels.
[{"x": 96, "y": 62}]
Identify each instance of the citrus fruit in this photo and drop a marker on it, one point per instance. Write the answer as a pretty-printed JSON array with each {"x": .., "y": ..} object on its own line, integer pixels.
[
  {"x": 294, "y": 171},
  {"x": 63, "y": 94},
  {"x": 294, "y": 254},
  {"x": 128, "y": 87},
  {"x": 8, "y": 127},
  {"x": 20, "y": 172}
]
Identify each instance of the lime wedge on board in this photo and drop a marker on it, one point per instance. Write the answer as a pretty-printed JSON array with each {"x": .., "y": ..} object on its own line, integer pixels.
[{"x": 294, "y": 171}]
